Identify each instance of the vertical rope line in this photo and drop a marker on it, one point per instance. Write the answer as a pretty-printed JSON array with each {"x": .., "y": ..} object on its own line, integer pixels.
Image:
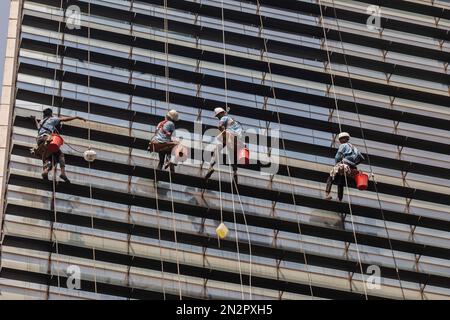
[
  {"x": 175, "y": 236},
  {"x": 284, "y": 149},
  {"x": 54, "y": 224},
  {"x": 89, "y": 138},
  {"x": 367, "y": 151},
  {"x": 159, "y": 230},
  {"x": 217, "y": 155},
  {"x": 229, "y": 162},
  {"x": 166, "y": 49},
  {"x": 130, "y": 147},
  {"x": 55, "y": 227},
  {"x": 158, "y": 213},
  {"x": 220, "y": 185},
  {"x": 340, "y": 128},
  {"x": 248, "y": 238}
]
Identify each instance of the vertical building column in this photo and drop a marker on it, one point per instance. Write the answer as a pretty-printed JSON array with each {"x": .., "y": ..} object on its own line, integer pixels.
[{"x": 8, "y": 94}]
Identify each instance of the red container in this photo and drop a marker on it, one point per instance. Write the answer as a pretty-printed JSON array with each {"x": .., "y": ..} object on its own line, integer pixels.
[
  {"x": 362, "y": 181},
  {"x": 56, "y": 143},
  {"x": 244, "y": 156}
]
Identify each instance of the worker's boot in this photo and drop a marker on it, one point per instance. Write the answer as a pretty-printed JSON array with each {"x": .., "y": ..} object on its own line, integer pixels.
[
  {"x": 211, "y": 169},
  {"x": 63, "y": 176},
  {"x": 171, "y": 165},
  {"x": 209, "y": 173}
]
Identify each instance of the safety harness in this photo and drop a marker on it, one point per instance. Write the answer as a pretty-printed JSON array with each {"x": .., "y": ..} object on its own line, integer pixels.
[
  {"x": 40, "y": 150},
  {"x": 358, "y": 155},
  {"x": 42, "y": 125},
  {"x": 161, "y": 127}
]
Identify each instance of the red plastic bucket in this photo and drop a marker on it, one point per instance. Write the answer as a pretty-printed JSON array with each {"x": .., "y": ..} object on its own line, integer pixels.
[
  {"x": 362, "y": 181},
  {"x": 244, "y": 156},
  {"x": 56, "y": 143}
]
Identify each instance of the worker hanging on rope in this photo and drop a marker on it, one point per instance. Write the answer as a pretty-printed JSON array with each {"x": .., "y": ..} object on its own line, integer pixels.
[
  {"x": 229, "y": 127},
  {"x": 162, "y": 141},
  {"x": 46, "y": 148},
  {"x": 230, "y": 136},
  {"x": 347, "y": 158}
]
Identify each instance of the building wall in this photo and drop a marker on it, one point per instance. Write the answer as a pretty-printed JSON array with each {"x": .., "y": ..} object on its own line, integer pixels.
[
  {"x": 7, "y": 96},
  {"x": 125, "y": 231}
]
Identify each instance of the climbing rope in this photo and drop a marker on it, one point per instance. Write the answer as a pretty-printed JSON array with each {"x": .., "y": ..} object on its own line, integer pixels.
[
  {"x": 229, "y": 162},
  {"x": 158, "y": 217},
  {"x": 54, "y": 228},
  {"x": 166, "y": 73},
  {"x": 367, "y": 151},
  {"x": 159, "y": 230},
  {"x": 89, "y": 138},
  {"x": 74, "y": 149},
  {"x": 284, "y": 148},
  {"x": 340, "y": 128},
  {"x": 233, "y": 183},
  {"x": 130, "y": 150}
]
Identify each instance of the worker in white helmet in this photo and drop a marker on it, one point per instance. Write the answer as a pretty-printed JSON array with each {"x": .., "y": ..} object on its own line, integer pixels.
[
  {"x": 231, "y": 132},
  {"x": 227, "y": 124},
  {"x": 346, "y": 159},
  {"x": 162, "y": 141}
]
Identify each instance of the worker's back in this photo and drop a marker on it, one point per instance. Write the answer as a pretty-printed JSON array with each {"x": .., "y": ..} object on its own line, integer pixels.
[
  {"x": 348, "y": 153},
  {"x": 48, "y": 125},
  {"x": 231, "y": 125},
  {"x": 164, "y": 131}
]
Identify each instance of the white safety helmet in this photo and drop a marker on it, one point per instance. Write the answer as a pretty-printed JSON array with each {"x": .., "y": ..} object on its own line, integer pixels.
[
  {"x": 343, "y": 135},
  {"x": 173, "y": 115},
  {"x": 218, "y": 111}
]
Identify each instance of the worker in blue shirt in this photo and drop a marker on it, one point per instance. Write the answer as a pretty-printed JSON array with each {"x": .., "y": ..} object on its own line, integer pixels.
[
  {"x": 346, "y": 159},
  {"x": 46, "y": 127},
  {"x": 162, "y": 141},
  {"x": 227, "y": 124},
  {"x": 230, "y": 136}
]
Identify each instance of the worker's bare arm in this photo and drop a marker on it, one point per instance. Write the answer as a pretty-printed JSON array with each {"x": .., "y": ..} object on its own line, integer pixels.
[{"x": 67, "y": 119}]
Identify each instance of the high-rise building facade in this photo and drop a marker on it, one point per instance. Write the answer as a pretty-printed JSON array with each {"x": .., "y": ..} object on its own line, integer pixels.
[{"x": 299, "y": 72}]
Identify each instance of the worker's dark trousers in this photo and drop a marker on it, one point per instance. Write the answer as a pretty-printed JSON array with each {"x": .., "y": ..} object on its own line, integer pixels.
[
  {"x": 339, "y": 181},
  {"x": 235, "y": 158},
  {"x": 162, "y": 160},
  {"x": 163, "y": 150}
]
